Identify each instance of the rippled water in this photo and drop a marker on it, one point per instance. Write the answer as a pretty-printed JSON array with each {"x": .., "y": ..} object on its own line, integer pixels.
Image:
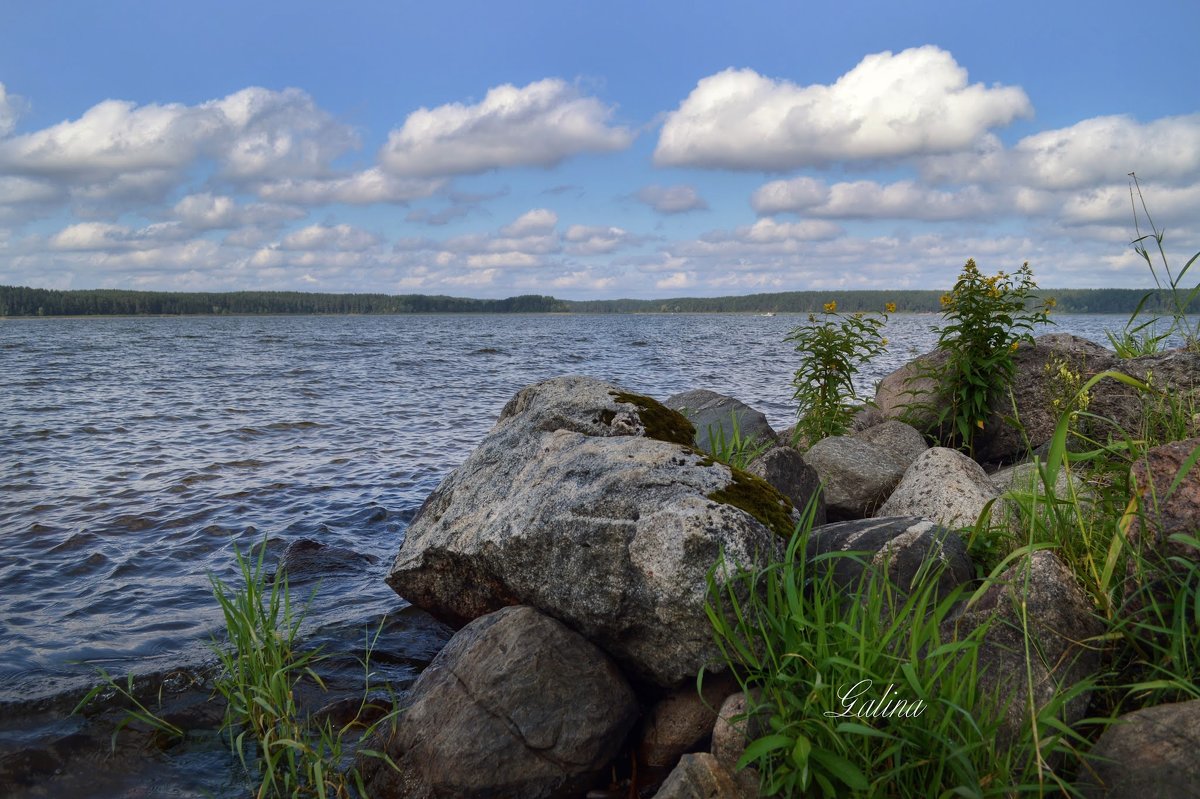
[{"x": 135, "y": 452}]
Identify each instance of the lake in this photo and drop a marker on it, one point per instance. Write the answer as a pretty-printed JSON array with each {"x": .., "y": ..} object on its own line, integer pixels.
[{"x": 136, "y": 452}]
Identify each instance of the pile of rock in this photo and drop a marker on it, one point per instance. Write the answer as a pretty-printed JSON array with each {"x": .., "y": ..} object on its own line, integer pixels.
[{"x": 574, "y": 547}]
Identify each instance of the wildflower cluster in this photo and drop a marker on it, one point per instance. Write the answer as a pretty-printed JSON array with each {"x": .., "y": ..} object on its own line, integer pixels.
[
  {"x": 986, "y": 319},
  {"x": 832, "y": 350}
]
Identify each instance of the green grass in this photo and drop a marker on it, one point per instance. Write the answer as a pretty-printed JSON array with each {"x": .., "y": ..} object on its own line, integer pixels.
[
  {"x": 793, "y": 638},
  {"x": 284, "y": 750}
]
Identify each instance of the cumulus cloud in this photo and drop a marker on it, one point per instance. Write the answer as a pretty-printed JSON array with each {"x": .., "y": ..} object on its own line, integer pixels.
[
  {"x": 204, "y": 211},
  {"x": 329, "y": 237},
  {"x": 868, "y": 199},
  {"x": 1086, "y": 154},
  {"x": 590, "y": 240},
  {"x": 118, "y": 149},
  {"x": 531, "y": 223},
  {"x": 672, "y": 199},
  {"x": 360, "y": 188},
  {"x": 540, "y": 124},
  {"x": 890, "y": 105}
]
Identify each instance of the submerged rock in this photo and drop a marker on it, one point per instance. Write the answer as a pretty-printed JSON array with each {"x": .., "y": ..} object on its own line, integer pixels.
[
  {"x": 585, "y": 502},
  {"x": 516, "y": 705}
]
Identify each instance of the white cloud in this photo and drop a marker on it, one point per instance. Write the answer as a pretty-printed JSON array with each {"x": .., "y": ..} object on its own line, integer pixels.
[
  {"x": 890, "y": 105},
  {"x": 11, "y": 107},
  {"x": 866, "y": 199},
  {"x": 540, "y": 124},
  {"x": 1096, "y": 151},
  {"x": 672, "y": 199},
  {"x": 676, "y": 280},
  {"x": 537, "y": 222},
  {"x": 332, "y": 237},
  {"x": 590, "y": 240},
  {"x": 360, "y": 188},
  {"x": 205, "y": 211},
  {"x": 502, "y": 259},
  {"x": 118, "y": 149}
]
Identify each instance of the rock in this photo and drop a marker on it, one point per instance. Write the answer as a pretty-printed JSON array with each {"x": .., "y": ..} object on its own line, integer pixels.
[
  {"x": 729, "y": 740},
  {"x": 856, "y": 476},
  {"x": 516, "y": 705},
  {"x": 1175, "y": 373},
  {"x": 899, "y": 438},
  {"x": 705, "y": 409},
  {"x": 1060, "y": 622},
  {"x": 784, "y": 468},
  {"x": 700, "y": 776},
  {"x": 305, "y": 559},
  {"x": 583, "y": 502},
  {"x": 943, "y": 485},
  {"x": 682, "y": 721},
  {"x": 1164, "y": 512},
  {"x": 1153, "y": 753},
  {"x": 898, "y": 398},
  {"x": 904, "y": 543}
]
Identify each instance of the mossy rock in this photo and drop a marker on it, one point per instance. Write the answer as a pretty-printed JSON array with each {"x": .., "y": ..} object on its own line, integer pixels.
[
  {"x": 661, "y": 423},
  {"x": 760, "y": 499}
]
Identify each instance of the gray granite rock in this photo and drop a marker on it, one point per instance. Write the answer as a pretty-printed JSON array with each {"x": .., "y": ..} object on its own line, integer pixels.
[
  {"x": 943, "y": 485},
  {"x": 857, "y": 476},
  {"x": 516, "y": 705},
  {"x": 707, "y": 409},
  {"x": 583, "y": 503}
]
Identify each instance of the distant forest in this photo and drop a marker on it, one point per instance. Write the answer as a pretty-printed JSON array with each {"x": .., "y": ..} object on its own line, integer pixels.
[{"x": 20, "y": 301}]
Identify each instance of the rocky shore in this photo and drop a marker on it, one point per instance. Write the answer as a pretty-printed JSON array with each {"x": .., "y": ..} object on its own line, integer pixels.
[{"x": 571, "y": 551}]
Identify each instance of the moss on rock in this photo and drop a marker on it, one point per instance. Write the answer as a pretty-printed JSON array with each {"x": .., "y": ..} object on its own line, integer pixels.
[
  {"x": 758, "y": 498},
  {"x": 661, "y": 423}
]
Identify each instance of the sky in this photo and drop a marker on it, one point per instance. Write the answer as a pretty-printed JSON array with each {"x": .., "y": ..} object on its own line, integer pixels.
[{"x": 592, "y": 149}]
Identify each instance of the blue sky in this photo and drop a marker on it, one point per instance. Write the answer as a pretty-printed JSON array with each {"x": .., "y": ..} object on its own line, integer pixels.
[{"x": 640, "y": 149}]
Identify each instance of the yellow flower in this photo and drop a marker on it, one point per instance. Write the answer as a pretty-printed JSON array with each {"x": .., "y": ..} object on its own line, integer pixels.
[
  {"x": 946, "y": 300},
  {"x": 883, "y": 342},
  {"x": 1050, "y": 303},
  {"x": 831, "y": 306},
  {"x": 1014, "y": 346},
  {"x": 979, "y": 424},
  {"x": 889, "y": 307}
]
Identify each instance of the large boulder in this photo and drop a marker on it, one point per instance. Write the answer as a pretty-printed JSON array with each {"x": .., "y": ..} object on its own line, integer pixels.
[
  {"x": 906, "y": 394},
  {"x": 1115, "y": 408},
  {"x": 708, "y": 410},
  {"x": 731, "y": 734},
  {"x": 585, "y": 502},
  {"x": 856, "y": 476},
  {"x": 901, "y": 544},
  {"x": 943, "y": 485},
  {"x": 1040, "y": 594},
  {"x": 1168, "y": 499},
  {"x": 516, "y": 705},
  {"x": 1153, "y": 753}
]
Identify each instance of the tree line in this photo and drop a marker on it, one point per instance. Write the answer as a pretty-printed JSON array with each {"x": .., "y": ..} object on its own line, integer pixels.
[{"x": 23, "y": 301}]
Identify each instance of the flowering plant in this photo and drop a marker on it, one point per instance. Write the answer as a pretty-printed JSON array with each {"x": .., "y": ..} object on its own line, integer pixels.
[
  {"x": 832, "y": 349},
  {"x": 986, "y": 319}
]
